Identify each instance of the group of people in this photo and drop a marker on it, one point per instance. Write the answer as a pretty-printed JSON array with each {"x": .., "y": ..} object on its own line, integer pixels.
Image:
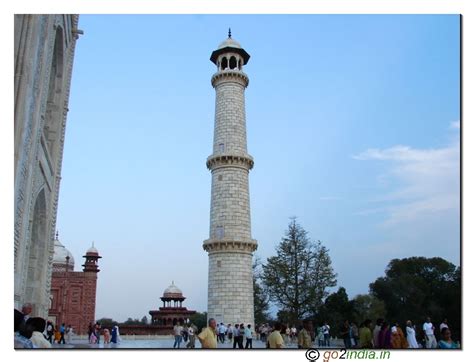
[
  {"x": 272, "y": 336},
  {"x": 186, "y": 333},
  {"x": 389, "y": 335},
  {"x": 36, "y": 332},
  {"x": 94, "y": 331},
  {"x": 222, "y": 333},
  {"x": 385, "y": 335},
  {"x": 235, "y": 334}
]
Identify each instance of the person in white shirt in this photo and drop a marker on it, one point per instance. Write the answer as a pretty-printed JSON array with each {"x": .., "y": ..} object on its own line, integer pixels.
[
  {"x": 411, "y": 335},
  {"x": 69, "y": 333},
  {"x": 222, "y": 330},
  {"x": 192, "y": 336},
  {"x": 177, "y": 329},
  {"x": 428, "y": 329},
  {"x": 38, "y": 325},
  {"x": 444, "y": 324},
  {"x": 327, "y": 336}
]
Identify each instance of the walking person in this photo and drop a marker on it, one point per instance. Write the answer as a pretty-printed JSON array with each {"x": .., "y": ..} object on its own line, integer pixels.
[
  {"x": 377, "y": 329},
  {"x": 248, "y": 337},
  {"x": 327, "y": 336},
  {"x": 430, "y": 338},
  {"x": 97, "y": 329},
  {"x": 446, "y": 342},
  {"x": 365, "y": 334},
  {"x": 355, "y": 335},
  {"x": 444, "y": 324},
  {"x": 184, "y": 333},
  {"x": 229, "y": 332},
  {"x": 208, "y": 336},
  {"x": 320, "y": 336},
  {"x": 222, "y": 329},
  {"x": 384, "y": 336},
  {"x": 113, "y": 337},
  {"x": 304, "y": 336},
  {"x": 62, "y": 331},
  {"x": 106, "y": 336},
  {"x": 275, "y": 340},
  {"x": 192, "y": 329},
  {"x": 69, "y": 333},
  {"x": 236, "y": 336},
  {"x": 346, "y": 334},
  {"x": 263, "y": 333},
  {"x": 294, "y": 334},
  {"x": 241, "y": 337},
  {"x": 177, "y": 329},
  {"x": 411, "y": 335},
  {"x": 49, "y": 332}
]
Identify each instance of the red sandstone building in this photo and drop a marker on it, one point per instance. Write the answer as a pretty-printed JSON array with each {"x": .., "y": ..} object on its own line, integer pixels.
[
  {"x": 172, "y": 311},
  {"x": 73, "y": 293}
]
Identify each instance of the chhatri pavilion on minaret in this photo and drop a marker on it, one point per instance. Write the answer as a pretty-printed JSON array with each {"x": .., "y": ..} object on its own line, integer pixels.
[{"x": 230, "y": 245}]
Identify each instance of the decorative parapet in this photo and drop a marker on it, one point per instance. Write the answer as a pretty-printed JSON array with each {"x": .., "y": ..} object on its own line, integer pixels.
[
  {"x": 240, "y": 161},
  {"x": 230, "y": 75},
  {"x": 218, "y": 245}
]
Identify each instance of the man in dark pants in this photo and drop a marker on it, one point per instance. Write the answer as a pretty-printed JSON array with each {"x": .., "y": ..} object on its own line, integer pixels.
[
  {"x": 248, "y": 337},
  {"x": 62, "y": 330},
  {"x": 236, "y": 336}
]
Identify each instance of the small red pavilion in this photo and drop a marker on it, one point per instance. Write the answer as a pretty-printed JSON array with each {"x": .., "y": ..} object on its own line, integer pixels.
[{"x": 172, "y": 310}]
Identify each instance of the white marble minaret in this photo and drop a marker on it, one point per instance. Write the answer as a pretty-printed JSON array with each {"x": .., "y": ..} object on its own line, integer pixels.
[{"x": 230, "y": 244}]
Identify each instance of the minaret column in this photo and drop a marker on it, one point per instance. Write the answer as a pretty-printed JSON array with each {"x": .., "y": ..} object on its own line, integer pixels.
[{"x": 230, "y": 245}]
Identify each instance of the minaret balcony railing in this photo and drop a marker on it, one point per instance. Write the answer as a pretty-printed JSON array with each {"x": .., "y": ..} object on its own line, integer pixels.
[{"x": 215, "y": 162}]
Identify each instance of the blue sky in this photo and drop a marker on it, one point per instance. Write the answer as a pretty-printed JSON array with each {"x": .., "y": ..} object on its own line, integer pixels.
[{"x": 353, "y": 122}]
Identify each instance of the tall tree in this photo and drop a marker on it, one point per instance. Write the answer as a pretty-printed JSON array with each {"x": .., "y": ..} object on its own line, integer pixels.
[
  {"x": 335, "y": 310},
  {"x": 416, "y": 287},
  {"x": 367, "y": 306},
  {"x": 298, "y": 277},
  {"x": 260, "y": 297}
]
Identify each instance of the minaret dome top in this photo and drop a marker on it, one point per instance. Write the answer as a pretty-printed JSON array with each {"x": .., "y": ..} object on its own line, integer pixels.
[{"x": 230, "y": 45}]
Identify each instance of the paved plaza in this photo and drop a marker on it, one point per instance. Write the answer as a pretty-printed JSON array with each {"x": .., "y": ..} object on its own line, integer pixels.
[{"x": 164, "y": 342}]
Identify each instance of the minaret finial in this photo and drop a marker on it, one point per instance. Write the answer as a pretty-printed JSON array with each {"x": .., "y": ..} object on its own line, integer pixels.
[
  {"x": 92, "y": 244},
  {"x": 230, "y": 34}
]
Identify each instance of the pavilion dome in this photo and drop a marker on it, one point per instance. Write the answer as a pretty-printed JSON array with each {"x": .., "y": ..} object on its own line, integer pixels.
[
  {"x": 60, "y": 254},
  {"x": 92, "y": 250},
  {"x": 231, "y": 43},
  {"x": 172, "y": 292}
]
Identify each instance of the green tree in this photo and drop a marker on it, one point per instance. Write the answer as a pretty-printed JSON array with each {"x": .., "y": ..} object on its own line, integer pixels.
[
  {"x": 132, "y": 321},
  {"x": 367, "y": 306},
  {"x": 199, "y": 320},
  {"x": 336, "y": 309},
  {"x": 260, "y": 297},
  {"x": 417, "y": 287},
  {"x": 106, "y": 321},
  {"x": 144, "y": 320},
  {"x": 298, "y": 277}
]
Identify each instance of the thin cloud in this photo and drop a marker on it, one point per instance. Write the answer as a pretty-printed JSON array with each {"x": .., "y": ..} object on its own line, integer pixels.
[
  {"x": 455, "y": 125},
  {"x": 428, "y": 181},
  {"x": 329, "y": 198}
]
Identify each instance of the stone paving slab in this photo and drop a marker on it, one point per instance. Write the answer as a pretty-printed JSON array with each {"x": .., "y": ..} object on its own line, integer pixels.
[{"x": 164, "y": 343}]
